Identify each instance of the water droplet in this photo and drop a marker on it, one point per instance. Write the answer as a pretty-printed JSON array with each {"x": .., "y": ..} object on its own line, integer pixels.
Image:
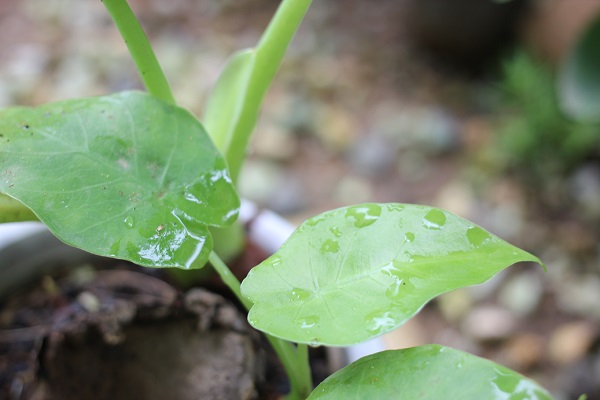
[
  {"x": 336, "y": 231},
  {"x": 409, "y": 236},
  {"x": 129, "y": 221},
  {"x": 395, "y": 207},
  {"x": 314, "y": 343},
  {"x": 307, "y": 322},
  {"x": 393, "y": 271},
  {"x": 297, "y": 294},
  {"x": 315, "y": 220},
  {"x": 435, "y": 219},
  {"x": 275, "y": 260},
  {"x": 364, "y": 214},
  {"x": 380, "y": 322},
  {"x": 477, "y": 236},
  {"x": 330, "y": 246}
]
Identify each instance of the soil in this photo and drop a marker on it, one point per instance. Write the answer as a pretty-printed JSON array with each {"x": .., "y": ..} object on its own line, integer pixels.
[{"x": 108, "y": 329}]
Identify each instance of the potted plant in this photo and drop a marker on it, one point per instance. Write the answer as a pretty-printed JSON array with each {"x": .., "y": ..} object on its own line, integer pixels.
[{"x": 133, "y": 176}]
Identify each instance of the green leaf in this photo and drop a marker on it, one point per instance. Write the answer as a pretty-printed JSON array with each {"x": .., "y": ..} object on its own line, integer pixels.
[
  {"x": 428, "y": 372},
  {"x": 579, "y": 80},
  {"x": 13, "y": 211},
  {"x": 353, "y": 273},
  {"x": 226, "y": 103},
  {"x": 126, "y": 176}
]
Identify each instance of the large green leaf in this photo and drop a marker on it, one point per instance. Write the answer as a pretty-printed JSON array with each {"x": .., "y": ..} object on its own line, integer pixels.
[
  {"x": 579, "y": 80},
  {"x": 353, "y": 273},
  {"x": 126, "y": 176},
  {"x": 430, "y": 372}
]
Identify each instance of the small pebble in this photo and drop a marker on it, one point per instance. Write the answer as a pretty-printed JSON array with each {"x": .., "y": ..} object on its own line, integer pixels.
[
  {"x": 571, "y": 341},
  {"x": 489, "y": 323},
  {"x": 521, "y": 294}
]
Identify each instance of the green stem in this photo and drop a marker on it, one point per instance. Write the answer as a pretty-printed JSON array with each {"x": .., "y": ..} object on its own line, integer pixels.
[
  {"x": 145, "y": 60},
  {"x": 268, "y": 55},
  {"x": 294, "y": 359}
]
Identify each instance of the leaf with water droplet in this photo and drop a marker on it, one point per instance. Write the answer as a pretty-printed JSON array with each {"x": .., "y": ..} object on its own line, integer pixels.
[
  {"x": 126, "y": 176},
  {"x": 429, "y": 372},
  {"x": 366, "y": 269}
]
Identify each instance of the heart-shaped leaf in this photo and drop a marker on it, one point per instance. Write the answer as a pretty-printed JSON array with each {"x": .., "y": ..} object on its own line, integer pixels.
[
  {"x": 430, "y": 372},
  {"x": 353, "y": 273},
  {"x": 126, "y": 176}
]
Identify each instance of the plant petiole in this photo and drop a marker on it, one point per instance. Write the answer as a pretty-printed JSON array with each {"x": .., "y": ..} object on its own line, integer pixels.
[
  {"x": 293, "y": 358},
  {"x": 139, "y": 47}
]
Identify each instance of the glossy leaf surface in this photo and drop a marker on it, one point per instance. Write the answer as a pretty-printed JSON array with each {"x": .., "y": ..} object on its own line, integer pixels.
[
  {"x": 357, "y": 272},
  {"x": 579, "y": 81},
  {"x": 430, "y": 372},
  {"x": 125, "y": 176}
]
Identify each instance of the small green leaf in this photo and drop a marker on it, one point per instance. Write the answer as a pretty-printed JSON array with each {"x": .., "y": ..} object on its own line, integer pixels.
[
  {"x": 430, "y": 372},
  {"x": 579, "y": 80},
  {"x": 126, "y": 176},
  {"x": 357, "y": 272}
]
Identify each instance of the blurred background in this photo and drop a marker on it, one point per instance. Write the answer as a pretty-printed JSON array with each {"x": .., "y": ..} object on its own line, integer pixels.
[{"x": 445, "y": 103}]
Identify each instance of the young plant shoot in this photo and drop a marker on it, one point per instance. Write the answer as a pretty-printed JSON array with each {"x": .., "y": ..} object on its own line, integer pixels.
[{"x": 133, "y": 176}]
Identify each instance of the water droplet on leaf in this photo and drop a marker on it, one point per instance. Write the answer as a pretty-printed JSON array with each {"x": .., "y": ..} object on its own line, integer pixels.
[
  {"x": 330, "y": 246},
  {"x": 297, "y": 294},
  {"x": 477, "y": 236},
  {"x": 435, "y": 219},
  {"x": 307, "y": 322},
  {"x": 364, "y": 215},
  {"x": 380, "y": 322},
  {"x": 129, "y": 221}
]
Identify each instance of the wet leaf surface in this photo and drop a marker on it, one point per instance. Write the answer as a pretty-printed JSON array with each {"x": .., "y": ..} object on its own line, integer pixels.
[
  {"x": 427, "y": 372},
  {"x": 149, "y": 181},
  {"x": 353, "y": 273}
]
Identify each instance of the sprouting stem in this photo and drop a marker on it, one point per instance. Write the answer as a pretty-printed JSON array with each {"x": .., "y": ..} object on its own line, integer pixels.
[
  {"x": 293, "y": 358},
  {"x": 143, "y": 56},
  {"x": 267, "y": 58}
]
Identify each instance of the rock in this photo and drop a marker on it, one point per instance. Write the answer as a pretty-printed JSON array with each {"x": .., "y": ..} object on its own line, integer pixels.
[
  {"x": 335, "y": 127},
  {"x": 353, "y": 190},
  {"x": 290, "y": 196},
  {"x": 489, "y": 323},
  {"x": 425, "y": 129},
  {"x": 579, "y": 295},
  {"x": 455, "y": 305},
  {"x": 521, "y": 293},
  {"x": 372, "y": 156},
  {"x": 524, "y": 351},
  {"x": 273, "y": 142},
  {"x": 260, "y": 180},
  {"x": 571, "y": 341},
  {"x": 585, "y": 189}
]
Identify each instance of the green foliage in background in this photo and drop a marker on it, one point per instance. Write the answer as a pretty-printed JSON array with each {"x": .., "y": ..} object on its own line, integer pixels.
[{"x": 536, "y": 139}]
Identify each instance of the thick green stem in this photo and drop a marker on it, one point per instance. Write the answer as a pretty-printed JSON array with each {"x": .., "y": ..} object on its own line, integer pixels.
[
  {"x": 145, "y": 61},
  {"x": 267, "y": 59},
  {"x": 294, "y": 359}
]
